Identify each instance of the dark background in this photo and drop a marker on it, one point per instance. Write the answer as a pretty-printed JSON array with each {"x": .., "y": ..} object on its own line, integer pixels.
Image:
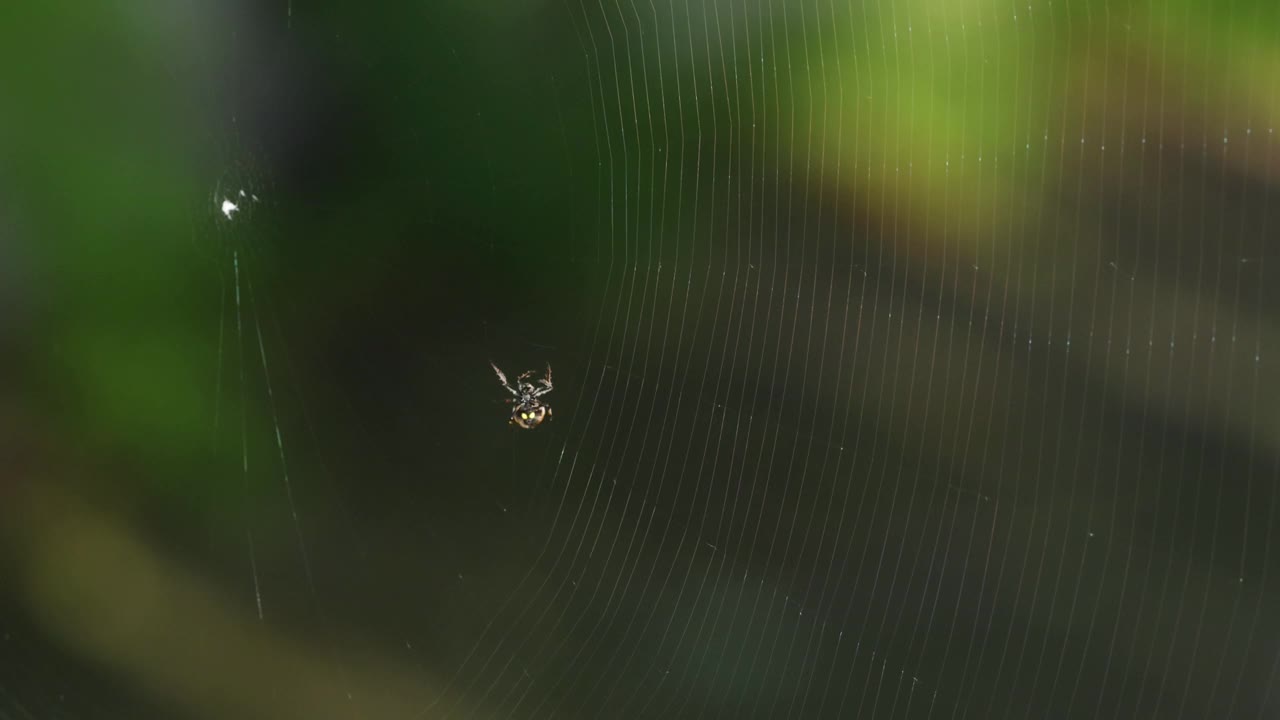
[{"x": 911, "y": 359}]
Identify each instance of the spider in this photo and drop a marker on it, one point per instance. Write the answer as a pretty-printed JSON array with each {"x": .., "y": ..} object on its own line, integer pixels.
[{"x": 529, "y": 411}]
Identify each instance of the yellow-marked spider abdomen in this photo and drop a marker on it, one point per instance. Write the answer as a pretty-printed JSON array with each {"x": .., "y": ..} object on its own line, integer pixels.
[{"x": 530, "y": 417}]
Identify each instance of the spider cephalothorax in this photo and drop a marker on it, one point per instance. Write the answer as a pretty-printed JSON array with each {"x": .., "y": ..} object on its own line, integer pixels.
[{"x": 529, "y": 411}]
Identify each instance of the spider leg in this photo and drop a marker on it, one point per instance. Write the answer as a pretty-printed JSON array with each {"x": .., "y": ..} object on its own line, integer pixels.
[
  {"x": 503, "y": 379},
  {"x": 546, "y": 383}
]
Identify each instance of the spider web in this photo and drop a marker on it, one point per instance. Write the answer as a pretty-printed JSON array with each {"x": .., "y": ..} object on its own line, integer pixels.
[
  {"x": 911, "y": 360},
  {"x": 837, "y": 453}
]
